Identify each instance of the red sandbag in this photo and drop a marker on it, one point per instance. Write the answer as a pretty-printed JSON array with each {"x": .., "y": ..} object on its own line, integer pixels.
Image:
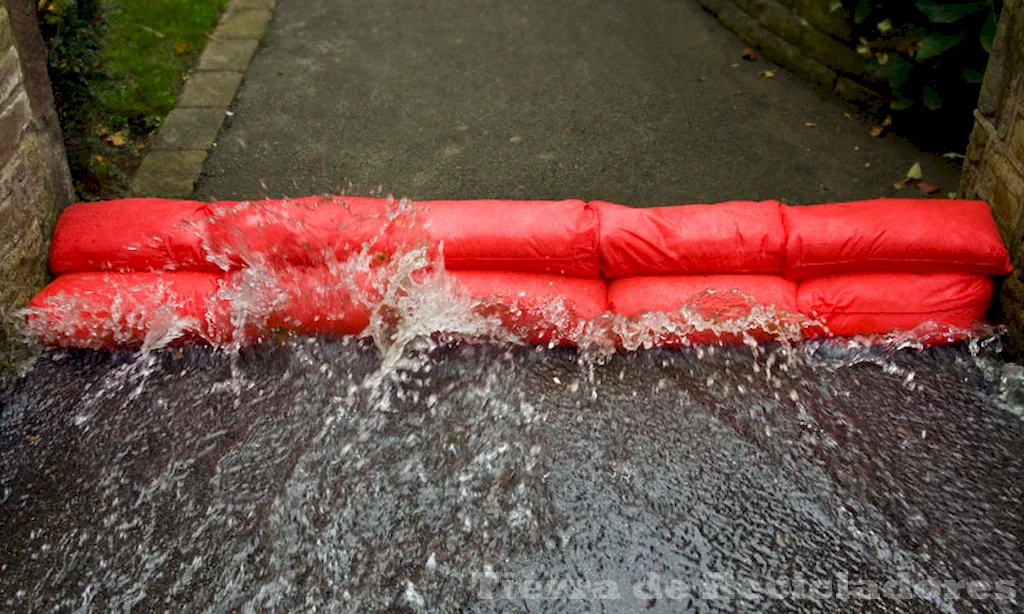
[
  {"x": 721, "y": 301},
  {"x": 135, "y": 234},
  {"x": 309, "y": 231},
  {"x": 895, "y": 235},
  {"x": 732, "y": 237},
  {"x": 101, "y": 310},
  {"x": 862, "y": 303},
  {"x": 558, "y": 237},
  {"x": 632, "y": 295},
  {"x": 316, "y": 302},
  {"x": 538, "y": 307}
]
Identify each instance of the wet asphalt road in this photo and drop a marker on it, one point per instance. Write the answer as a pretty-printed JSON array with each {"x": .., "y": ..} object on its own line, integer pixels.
[
  {"x": 303, "y": 478},
  {"x": 643, "y": 102}
]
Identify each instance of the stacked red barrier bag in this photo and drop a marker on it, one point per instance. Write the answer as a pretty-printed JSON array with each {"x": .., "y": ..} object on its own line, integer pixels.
[{"x": 544, "y": 269}]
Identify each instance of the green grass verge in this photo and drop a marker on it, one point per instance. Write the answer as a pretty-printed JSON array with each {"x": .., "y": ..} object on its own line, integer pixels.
[{"x": 117, "y": 68}]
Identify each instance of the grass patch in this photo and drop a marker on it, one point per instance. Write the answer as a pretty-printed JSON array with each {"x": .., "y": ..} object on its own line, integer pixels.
[{"x": 117, "y": 68}]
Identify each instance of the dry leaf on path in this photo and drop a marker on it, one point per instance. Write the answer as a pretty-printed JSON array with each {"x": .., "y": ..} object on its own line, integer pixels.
[
  {"x": 767, "y": 74},
  {"x": 915, "y": 171},
  {"x": 877, "y": 131},
  {"x": 926, "y": 187},
  {"x": 810, "y": 125},
  {"x": 181, "y": 47},
  {"x": 117, "y": 139}
]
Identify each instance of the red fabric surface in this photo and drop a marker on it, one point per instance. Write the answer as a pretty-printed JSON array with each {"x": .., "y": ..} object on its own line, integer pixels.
[
  {"x": 526, "y": 302},
  {"x": 317, "y": 302},
  {"x": 557, "y": 237},
  {"x": 299, "y": 232},
  {"x": 101, "y": 310},
  {"x": 732, "y": 237},
  {"x": 861, "y": 303},
  {"x": 135, "y": 234},
  {"x": 898, "y": 235},
  {"x": 632, "y": 295},
  {"x": 720, "y": 300}
]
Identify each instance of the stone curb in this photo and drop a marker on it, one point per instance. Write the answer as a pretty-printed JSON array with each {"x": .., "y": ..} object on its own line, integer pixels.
[
  {"x": 787, "y": 38},
  {"x": 175, "y": 160}
]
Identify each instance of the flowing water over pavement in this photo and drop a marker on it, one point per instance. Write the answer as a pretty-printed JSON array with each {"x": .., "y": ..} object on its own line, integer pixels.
[{"x": 308, "y": 475}]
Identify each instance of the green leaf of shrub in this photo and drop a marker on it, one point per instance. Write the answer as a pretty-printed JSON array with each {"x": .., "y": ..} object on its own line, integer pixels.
[
  {"x": 936, "y": 44},
  {"x": 937, "y": 12},
  {"x": 931, "y": 98},
  {"x": 862, "y": 12},
  {"x": 988, "y": 32},
  {"x": 895, "y": 71},
  {"x": 901, "y": 103},
  {"x": 973, "y": 76}
]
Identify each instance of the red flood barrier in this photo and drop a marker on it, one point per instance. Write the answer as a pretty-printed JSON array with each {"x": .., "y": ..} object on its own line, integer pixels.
[
  {"x": 136, "y": 234},
  {"x": 129, "y": 269},
  {"x": 864, "y": 303},
  {"x": 527, "y": 303},
  {"x": 896, "y": 235},
  {"x": 734, "y": 237},
  {"x": 536, "y": 236},
  {"x": 316, "y": 302},
  {"x": 308, "y": 231},
  {"x": 725, "y": 302},
  {"x": 105, "y": 310}
]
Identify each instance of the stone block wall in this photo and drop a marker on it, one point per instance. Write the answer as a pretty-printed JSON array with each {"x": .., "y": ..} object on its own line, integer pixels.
[
  {"x": 994, "y": 169},
  {"x": 805, "y": 36},
  {"x": 35, "y": 184}
]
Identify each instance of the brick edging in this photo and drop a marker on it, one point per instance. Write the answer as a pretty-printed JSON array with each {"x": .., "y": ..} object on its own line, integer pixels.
[{"x": 175, "y": 159}]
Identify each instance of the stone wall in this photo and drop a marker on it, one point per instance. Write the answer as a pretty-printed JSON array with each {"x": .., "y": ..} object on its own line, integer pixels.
[
  {"x": 805, "y": 36},
  {"x": 994, "y": 169},
  {"x": 35, "y": 184}
]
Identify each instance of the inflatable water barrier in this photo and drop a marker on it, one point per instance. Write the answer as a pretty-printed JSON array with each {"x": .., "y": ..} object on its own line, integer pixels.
[{"x": 142, "y": 271}]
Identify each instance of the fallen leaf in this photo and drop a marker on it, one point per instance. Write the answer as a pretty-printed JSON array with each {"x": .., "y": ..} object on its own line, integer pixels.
[
  {"x": 750, "y": 54},
  {"x": 887, "y": 121},
  {"x": 102, "y": 131},
  {"x": 734, "y": 65},
  {"x": 181, "y": 47},
  {"x": 847, "y": 115},
  {"x": 650, "y": 126},
  {"x": 117, "y": 139},
  {"x": 915, "y": 171},
  {"x": 767, "y": 74},
  {"x": 953, "y": 156},
  {"x": 810, "y": 125},
  {"x": 899, "y": 185},
  {"x": 951, "y": 195},
  {"x": 702, "y": 78},
  {"x": 926, "y": 187},
  {"x": 877, "y": 131}
]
